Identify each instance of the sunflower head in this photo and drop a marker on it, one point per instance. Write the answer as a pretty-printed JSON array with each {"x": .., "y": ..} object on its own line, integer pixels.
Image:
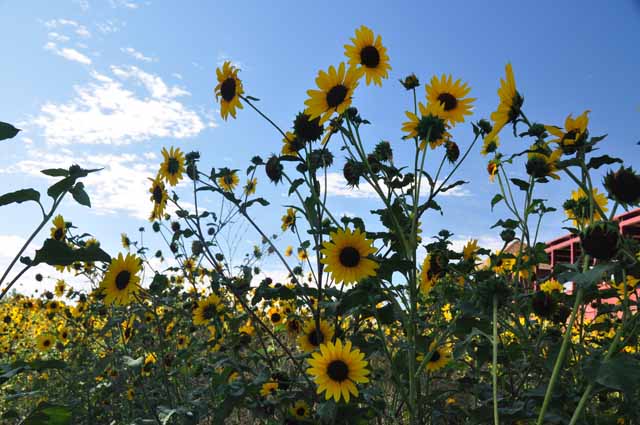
[
  {"x": 410, "y": 82},
  {"x": 368, "y": 53},
  {"x": 121, "y": 283},
  {"x": 578, "y": 208},
  {"x": 228, "y": 180},
  {"x": 429, "y": 127},
  {"x": 291, "y": 144},
  {"x": 274, "y": 168},
  {"x": 452, "y": 95},
  {"x": 207, "y": 310},
  {"x": 440, "y": 357},
  {"x": 300, "y": 410},
  {"x": 250, "y": 187},
  {"x": 275, "y": 315},
  {"x": 542, "y": 162},
  {"x": 345, "y": 256},
  {"x": 306, "y": 129},
  {"x": 551, "y": 285},
  {"x": 45, "y": 342},
  {"x": 289, "y": 219},
  {"x": 313, "y": 335},
  {"x": 336, "y": 369},
  {"x": 268, "y": 388},
  {"x": 172, "y": 166},
  {"x": 229, "y": 90},
  {"x": 59, "y": 229},
  {"x": 623, "y": 186},
  {"x": 159, "y": 197},
  {"x": 336, "y": 87},
  {"x": 574, "y": 135}
]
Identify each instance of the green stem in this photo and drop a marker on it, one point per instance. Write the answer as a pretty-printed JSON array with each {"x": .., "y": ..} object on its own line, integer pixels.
[{"x": 494, "y": 368}]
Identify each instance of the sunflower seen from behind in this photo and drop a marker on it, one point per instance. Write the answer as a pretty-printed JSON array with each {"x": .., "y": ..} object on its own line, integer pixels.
[
  {"x": 578, "y": 208},
  {"x": 121, "y": 283},
  {"x": 452, "y": 95},
  {"x": 428, "y": 127},
  {"x": 336, "y": 369},
  {"x": 172, "y": 166},
  {"x": 229, "y": 89},
  {"x": 159, "y": 197},
  {"x": 313, "y": 335},
  {"x": 345, "y": 256},
  {"x": 336, "y": 87},
  {"x": 574, "y": 133},
  {"x": 369, "y": 54}
]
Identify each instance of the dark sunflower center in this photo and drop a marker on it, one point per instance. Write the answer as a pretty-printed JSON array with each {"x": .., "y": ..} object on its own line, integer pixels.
[
  {"x": 157, "y": 194},
  {"x": 228, "y": 180},
  {"x": 57, "y": 235},
  {"x": 338, "y": 370},
  {"x": 7, "y": 319},
  {"x": 336, "y": 95},
  {"x": 275, "y": 317},
  {"x": 435, "y": 357},
  {"x": 349, "y": 256},
  {"x": 316, "y": 338},
  {"x": 228, "y": 89},
  {"x": 209, "y": 311},
  {"x": 173, "y": 166},
  {"x": 46, "y": 343},
  {"x": 370, "y": 57},
  {"x": 300, "y": 411},
  {"x": 122, "y": 279},
  {"x": 448, "y": 100},
  {"x": 570, "y": 135},
  {"x": 127, "y": 333}
]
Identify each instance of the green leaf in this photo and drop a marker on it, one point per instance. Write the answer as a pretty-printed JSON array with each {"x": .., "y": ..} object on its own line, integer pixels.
[
  {"x": 49, "y": 414},
  {"x": 57, "y": 253},
  {"x": 295, "y": 184},
  {"x": 598, "y": 161},
  {"x": 56, "y": 172},
  {"x": 20, "y": 196},
  {"x": 495, "y": 200},
  {"x": 522, "y": 185},
  {"x": 7, "y": 131},
  {"x": 621, "y": 372},
  {"x": 80, "y": 195},
  {"x": 451, "y": 186},
  {"x": 57, "y": 188}
]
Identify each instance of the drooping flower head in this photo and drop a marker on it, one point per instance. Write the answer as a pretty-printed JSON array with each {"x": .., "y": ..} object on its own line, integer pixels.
[
  {"x": 430, "y": 126},
  {"x": 574, "y": 134}
]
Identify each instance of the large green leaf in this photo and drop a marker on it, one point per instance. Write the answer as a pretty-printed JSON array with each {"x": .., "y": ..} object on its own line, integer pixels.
[
  {"x": 20, "y": 196},
  {"x": 7, "y": 131},
  {"x": 57, "y": 253},
  {"x": 49, "y": 414},
  {"x": 80, "y": 195}
]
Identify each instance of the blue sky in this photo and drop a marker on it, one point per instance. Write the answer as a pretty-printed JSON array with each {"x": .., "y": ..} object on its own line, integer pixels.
[{"x": 108, "y": 83}]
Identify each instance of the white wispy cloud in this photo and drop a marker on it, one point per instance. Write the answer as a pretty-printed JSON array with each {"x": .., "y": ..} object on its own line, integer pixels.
[
  {"x": 127, "y": 4},
  {"x": 108, "y": 110},
  {"x": 62, "y": 23},
  {"x": 68, "y": 53},
  {"x": 110, "y": 26},
  {"x": 137, "y": 55},
  {"x": 337, "y": 186}
]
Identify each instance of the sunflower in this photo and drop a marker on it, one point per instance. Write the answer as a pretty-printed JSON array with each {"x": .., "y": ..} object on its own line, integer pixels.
[
  {"x": 250, "y": 187},
  {"x": 275, "y": 315},
  {"x": 551, "y": 285},
  {"x": 631, "y": 283},
  {"x": 578, "y": 207},
  {"x": 288, "y": 251},
  {"x": 229, "y": 88},
  {"x": 492, "y": 169},
  {"x": 172, "y": 167},
  {"x": 300, "y": 410},
  {"x": 44, "y": 342},
  {"x": 59, "y": 229},
  {"x": 121, "y": 283},
  {"x": 291, "y": 144},
  {"x": 346, "y": 256},
  {"x": 509, "y": 107},
  {"x": 247, "y": 329},
  {"x": 228, "y": 181},
  {"x": 469, "y": 249},
  {"x": 149, "y": 360},
  {"x": 490, "y": 145},
  {"x": 126, "y": 242},
  {"x": 130, "y": 393},
  {"x": 293, "y": 325},
  {"x": 574, "y": 133},
  {"x": 336, "y": 89},
  {"x": 336, "y": 369},
  {"x": 302, "y": 254},
  {"x": 431, "y": 125},
  {"x": 60, "y": 287},
  {"x": 369, "y": 54},
  {"x": 159, "y": 197},
  {"x": 207, "y": 309},
  {"x": 542, "y": 161},
  {"x": 127, "y": 328},
  {"x": 312, "y": 337},
  {"x": 289, "y": 219},
  {"x": 182, "y": 341},
  {"x": 451, "y": 94},
  {"x": 428, "y": 275},
  {"x": 440, "y": 358},
  {"x": 268, "y": 388}
]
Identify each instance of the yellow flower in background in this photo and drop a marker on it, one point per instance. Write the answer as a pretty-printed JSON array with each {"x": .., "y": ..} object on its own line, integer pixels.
[
  {"x": 336, "y": 370},
  {"x": 631, "y": 285},
  {"x": 207, "y": 309},
  {"x": 228, "y": 90},
  {"x": 229, "y": 181},
  {"x": 60, "y": 288},
  {"x": 288, "y": 251},
  {"x": 290, "y": 145},
  {"x": 250, "y": 187},
  {"x": 440, "y": 358},
  {"x": 159, "y": 197},
  {"x": 510, "y": 102},
  {"x": 345, "y": 256},
  {"x": 492, "y": 169},
  {"x": 429, "y": 274},
  {"x": 121, "y": 282},
  {"x": 300, "y": 410},
  {"x": 182, "y": 342},
  {"x": 542, "y": 162},
  {"x": 289, "y": 219},
  {"x": 452, "y": 95},
  {"x": 59, "y": 229},
  {"x": 551, "y": 285},
  {"x": 172, "y": 167},
  {"x": 469, "y": 250},
  {"x": 369, "y": 54},
  {"x": 149, "y": 361},
  {"x": 336, "y": 89},
  {"x": 573, "y": 134},
  {"x": 429, "y": 127},
  {"x": 312, "y": 337},
  {"x": 126, "y": 242},
  {"x": 44, "y": 342},
  {"x": 579, "y": 207},
  {"x": 302, "y": 254},
  {"x": 275, "y": 315},
  {"x": 268, "y": 388}
]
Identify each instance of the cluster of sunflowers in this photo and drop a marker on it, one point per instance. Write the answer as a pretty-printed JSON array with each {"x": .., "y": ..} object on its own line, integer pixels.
[{"x": 369, "y": 323}]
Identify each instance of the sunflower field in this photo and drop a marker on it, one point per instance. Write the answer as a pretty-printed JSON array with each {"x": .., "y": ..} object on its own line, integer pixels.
[{"x": 376, "y": 322}]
